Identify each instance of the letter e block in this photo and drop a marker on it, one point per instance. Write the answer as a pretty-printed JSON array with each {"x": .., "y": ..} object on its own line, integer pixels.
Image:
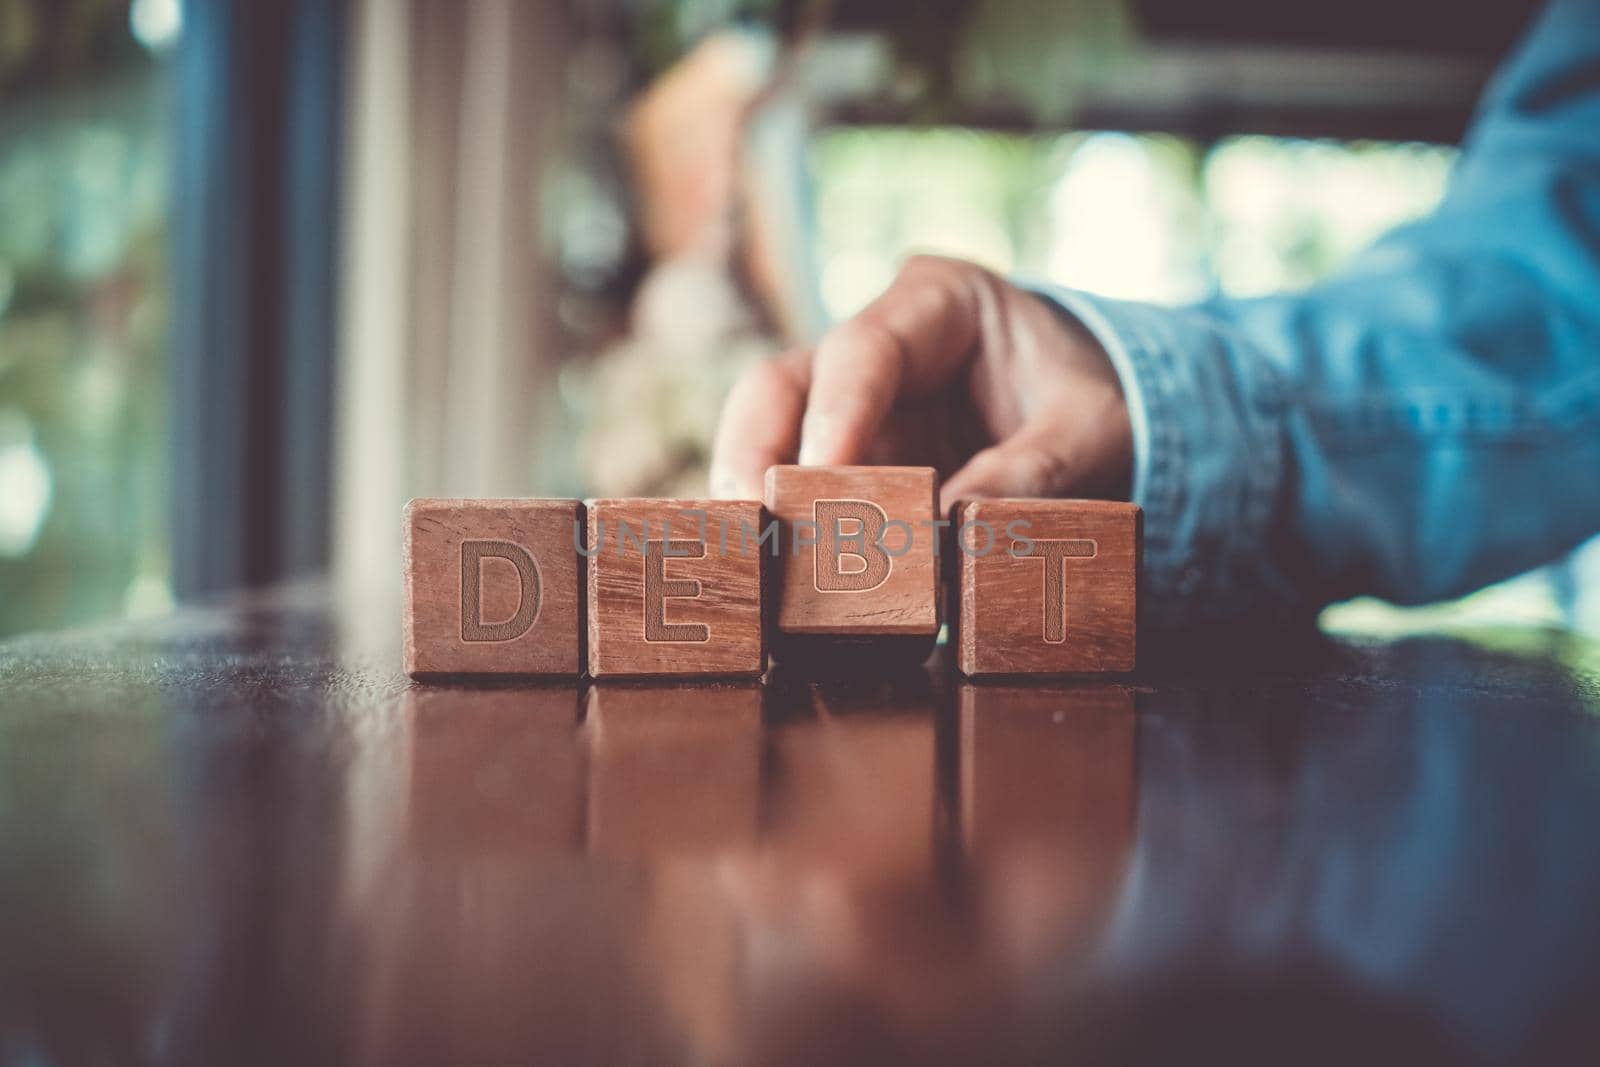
[
  {"x": 492, "y": 587},
  {"x": 858, "y": 560},
  {"x": 675, "y": 588},
  {"x": 1046, "y": 586}
]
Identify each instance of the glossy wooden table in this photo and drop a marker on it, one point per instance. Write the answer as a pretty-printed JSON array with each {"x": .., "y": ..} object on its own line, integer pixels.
[{"x": 238, "y": 835}]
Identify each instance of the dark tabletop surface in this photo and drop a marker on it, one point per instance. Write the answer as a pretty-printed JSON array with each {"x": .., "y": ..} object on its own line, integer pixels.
[{"x": 239, "y": 835}]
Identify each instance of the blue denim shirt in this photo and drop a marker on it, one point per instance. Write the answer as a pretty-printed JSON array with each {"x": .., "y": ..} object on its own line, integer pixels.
[{"x": 1424, "y": 424}]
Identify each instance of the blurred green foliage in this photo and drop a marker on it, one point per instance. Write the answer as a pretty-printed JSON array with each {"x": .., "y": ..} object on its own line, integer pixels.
[
  {"x": 1141, "y": 216},
  {"x": 83, "y": 310}
]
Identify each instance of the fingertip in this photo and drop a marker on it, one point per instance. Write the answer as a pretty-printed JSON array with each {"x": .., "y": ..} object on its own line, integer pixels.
[
  {"x": 723, "y": 485},
  {"x": 979, "y": 477},
  {"x": 741, "y": 479},
  {"x": 819, "y": 440},
  {"x": 810, "y": 450},
  {"x": 958, "y": 489},
  {"x": 1023, "y": 466},
  {"x": 759, "y": 426}
]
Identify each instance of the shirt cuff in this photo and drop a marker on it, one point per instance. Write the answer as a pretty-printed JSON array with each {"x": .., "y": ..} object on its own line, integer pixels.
[{"x": 1207, "y": 414}]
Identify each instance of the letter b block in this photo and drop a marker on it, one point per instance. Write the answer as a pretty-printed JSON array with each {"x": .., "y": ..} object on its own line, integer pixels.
[
  {"x": 1046, "y": 586},
  {"x": 675, "y": 588},
  {"x": 858, "y": 557},
  {"x": 492, "y": 587}
]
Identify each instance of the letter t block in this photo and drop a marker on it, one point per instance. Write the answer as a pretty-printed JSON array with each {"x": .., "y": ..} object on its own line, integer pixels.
[
  {"x": 1046, "y": 586},
  {"x": 675, "y": 588},
  {"x": 492, "y": 587}
]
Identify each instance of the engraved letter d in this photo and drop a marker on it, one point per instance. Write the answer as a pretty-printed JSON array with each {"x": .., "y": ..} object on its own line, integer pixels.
[{"x": 473, "y": 628}]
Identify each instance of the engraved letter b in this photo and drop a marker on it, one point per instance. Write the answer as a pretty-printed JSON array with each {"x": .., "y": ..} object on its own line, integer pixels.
[{"x": 863, "y": 546}]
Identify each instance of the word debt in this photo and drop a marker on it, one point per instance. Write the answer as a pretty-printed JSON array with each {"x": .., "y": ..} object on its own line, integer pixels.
[{"x": 832, "y": 558}]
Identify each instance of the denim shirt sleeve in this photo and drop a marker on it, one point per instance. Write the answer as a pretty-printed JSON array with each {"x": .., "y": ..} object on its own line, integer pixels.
[{"x": 1424, "y": 424}]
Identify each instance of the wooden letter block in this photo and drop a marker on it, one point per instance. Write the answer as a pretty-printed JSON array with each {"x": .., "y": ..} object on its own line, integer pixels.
[
  {"x": 492, "y": 587},
  {"x": 675, "y": 588},
  {"x": 1046, "y": 586},
  {"x": 858, "y": 555}
]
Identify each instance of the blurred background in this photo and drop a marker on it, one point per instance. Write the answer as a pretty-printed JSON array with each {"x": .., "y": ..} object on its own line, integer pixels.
[{"x": 268, "y": 270}]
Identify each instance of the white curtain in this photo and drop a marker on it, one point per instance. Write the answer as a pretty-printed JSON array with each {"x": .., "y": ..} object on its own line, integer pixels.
[{"x": 445, "y": 384}]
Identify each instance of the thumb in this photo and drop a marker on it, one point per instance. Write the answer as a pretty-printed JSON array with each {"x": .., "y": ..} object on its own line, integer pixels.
[
  {"x": 1024, "y": 465},
  {"x": 1049, "y": 458}
]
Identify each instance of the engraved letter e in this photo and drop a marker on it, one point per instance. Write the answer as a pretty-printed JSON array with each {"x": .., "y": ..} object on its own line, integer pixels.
[{"x": 658, "y": 589}]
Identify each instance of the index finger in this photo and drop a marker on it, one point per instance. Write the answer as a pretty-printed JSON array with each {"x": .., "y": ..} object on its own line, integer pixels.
[
  {"x": 911, "y": 339},
  {"x": 760, "y": 425}
]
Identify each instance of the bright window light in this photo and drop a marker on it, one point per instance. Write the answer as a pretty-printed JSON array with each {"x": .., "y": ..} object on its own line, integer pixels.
[
  {"x": 156, "y": 23},
  {"x": 25, "y": 485}
]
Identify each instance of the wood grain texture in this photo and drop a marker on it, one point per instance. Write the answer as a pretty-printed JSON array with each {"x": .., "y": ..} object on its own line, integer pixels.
[
  {"x": 522, "y": 615},
  {"x": 1067, "y": 603},
  {"x": 834, "y": 586},
  {"x": 674, "y": 589}
]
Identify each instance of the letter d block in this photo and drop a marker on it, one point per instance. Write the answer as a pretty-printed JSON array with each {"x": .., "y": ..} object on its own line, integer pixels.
[
  {"x": 675, "y": 588},
  {"x": 858, "y": 561},
  {"x": 492, "y": 587},
  {"x": 1046, "y": 586}
]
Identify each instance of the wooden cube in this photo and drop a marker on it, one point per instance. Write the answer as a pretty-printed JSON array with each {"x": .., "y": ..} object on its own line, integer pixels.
[
  {"x": 858, "y": 554},
  {"x": 1046, "y": 586},
  {"x": 675, "y": 588},
  {"x": 492, "y": 587}
]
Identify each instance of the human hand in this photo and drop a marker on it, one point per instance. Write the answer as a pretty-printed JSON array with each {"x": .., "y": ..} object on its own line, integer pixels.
[{"x": 953, "y": 368}]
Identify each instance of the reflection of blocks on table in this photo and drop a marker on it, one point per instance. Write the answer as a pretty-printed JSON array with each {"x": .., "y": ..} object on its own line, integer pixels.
[
  {"x": 1047, "y": 804},
  {"x": 492, "y": 587},
  {"x": 1046, "y": 586},
  {"x": 1047, "y": 767},
  {"x": 496, "y": 770},
  {"x": 858, "y": 553},
  {"x": 854, "y": 776},
  {"x": 675, "y": 588},
  {"x": 673, "y": 769}
]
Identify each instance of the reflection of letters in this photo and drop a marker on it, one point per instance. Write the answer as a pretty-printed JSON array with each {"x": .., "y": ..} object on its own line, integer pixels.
[
  {"x": 850, "y": 556},
  {"x": 658, "y": 589},
  {"x": 473, "y": 628},
  {"x": 1055, "y": 555}
]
